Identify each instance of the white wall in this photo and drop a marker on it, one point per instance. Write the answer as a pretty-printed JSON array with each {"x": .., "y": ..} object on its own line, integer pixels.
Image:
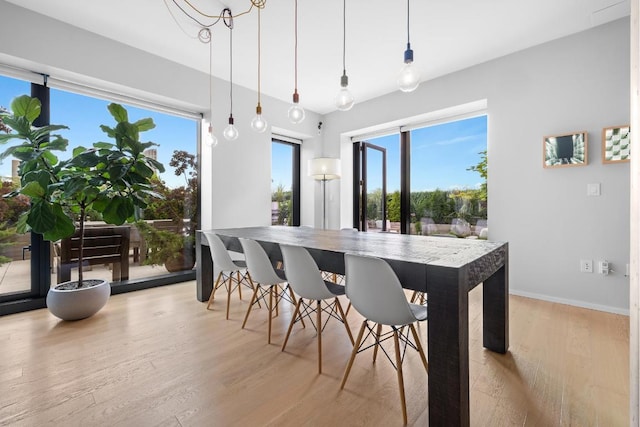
[
  {"x": 236, "y": 175},
  {"x": 576, "y": 83}
]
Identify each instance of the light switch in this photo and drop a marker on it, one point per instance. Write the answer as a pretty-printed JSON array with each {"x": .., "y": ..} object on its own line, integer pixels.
[{"x": 593, "y": 189}]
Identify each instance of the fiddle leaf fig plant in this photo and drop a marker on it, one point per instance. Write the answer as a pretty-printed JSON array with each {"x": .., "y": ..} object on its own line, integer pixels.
[{"x": 111, "y": 178}]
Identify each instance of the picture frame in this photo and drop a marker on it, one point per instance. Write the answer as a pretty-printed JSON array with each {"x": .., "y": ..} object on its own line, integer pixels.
[
  {"x": 616, "y": 144},
  {"x": 565, "y": 150}
]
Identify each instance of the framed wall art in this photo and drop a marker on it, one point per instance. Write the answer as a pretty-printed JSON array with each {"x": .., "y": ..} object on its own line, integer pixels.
[
  {"x": 565, "y": 150},
  {"x": 616, "y": 144}
]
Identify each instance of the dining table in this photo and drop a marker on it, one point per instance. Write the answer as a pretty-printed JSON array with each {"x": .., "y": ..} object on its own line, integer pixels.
[{"x": 447, "y": 269}]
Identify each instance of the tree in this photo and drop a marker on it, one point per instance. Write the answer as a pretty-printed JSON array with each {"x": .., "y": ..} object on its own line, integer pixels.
[
  {"x": 481, "y": 168},
  {"x": 393, "y": 207},
  {"x": 374, "y": 202},
  {"x": 440, "y": 207}
]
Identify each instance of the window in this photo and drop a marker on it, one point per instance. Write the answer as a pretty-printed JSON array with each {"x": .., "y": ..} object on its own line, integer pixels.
[
  {"x": 448, "y": 179},
  {"x": 424, "y": 181},
  {"x": 31, "y": 263},
  {"x": 285, "y": 183},
  {"x": 162, "y": 243}
]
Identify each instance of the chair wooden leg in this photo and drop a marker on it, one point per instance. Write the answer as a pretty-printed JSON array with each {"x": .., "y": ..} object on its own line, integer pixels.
[
  {"x": 253, "y": 297},
  {"x": 396, "y": 341},
  {"x": 344, "y": 319},
  {"x": 319, "y": 320},
  {"x": 348, "y": 308},
  {"x": 414, "y": 295},
  {"x": 293, "y": 320},
  {"x": 375, "y": 348},
  {"x": 213, "y": 291},
  {"x": 239, "y": 285},
  {"x": 293, "y": 298},
  {"x": 353, "y": 354},
  {"x": 229, "y": 289},
  {"x": 253, "y": 286},
  {"x": 419, "y": 347},
  {"x": 270, "y": 311}
]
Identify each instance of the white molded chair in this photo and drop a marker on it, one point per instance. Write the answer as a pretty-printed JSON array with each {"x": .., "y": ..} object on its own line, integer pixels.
[
  {"x": 226, "y": 269},
  {"x": 266, "y": 279},
  {"x": 306, "y": 281},
  {"x": 375, "y": 292}
]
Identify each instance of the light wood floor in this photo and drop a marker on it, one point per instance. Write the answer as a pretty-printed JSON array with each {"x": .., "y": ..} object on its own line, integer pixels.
[{"x": 157, "y": 357}]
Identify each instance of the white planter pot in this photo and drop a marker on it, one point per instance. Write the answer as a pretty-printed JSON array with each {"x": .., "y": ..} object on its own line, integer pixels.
[{"x": 76, "y": 304}]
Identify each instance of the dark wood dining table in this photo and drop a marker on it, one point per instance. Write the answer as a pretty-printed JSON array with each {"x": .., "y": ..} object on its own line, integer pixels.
[{"x": 446, "y": 268}]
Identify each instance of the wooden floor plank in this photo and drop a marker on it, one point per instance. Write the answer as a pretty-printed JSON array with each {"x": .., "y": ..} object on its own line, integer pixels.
[{"x": 158, "y": 358}]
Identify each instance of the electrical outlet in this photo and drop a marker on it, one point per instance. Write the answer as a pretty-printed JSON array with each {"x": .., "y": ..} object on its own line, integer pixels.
[
  {"x": 603, "y": 267},
  {"x": 586, "y": 266}
]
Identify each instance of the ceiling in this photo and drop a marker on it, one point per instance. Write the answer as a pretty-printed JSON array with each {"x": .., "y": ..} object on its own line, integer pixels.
[{"x": 446, "y": 35}]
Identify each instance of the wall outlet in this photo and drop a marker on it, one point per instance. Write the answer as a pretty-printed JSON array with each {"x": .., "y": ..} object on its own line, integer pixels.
[
  {"x": 603, "y": 267},
  {"x": 586, "y": 266}
]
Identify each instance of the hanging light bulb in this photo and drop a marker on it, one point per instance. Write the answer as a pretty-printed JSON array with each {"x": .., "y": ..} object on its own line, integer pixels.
[
  {"x": 296, "y": 112},
  {"x": 259, "y": 124},
  {"x": 209, "y": 138},
  {"x": 344, "y": 99},
  {"x": 230, "y": 133},
  {"x": 409, "y": 77}
]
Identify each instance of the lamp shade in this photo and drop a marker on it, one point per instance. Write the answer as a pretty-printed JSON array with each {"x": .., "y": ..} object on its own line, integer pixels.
[{"x": 324, "y": 168}]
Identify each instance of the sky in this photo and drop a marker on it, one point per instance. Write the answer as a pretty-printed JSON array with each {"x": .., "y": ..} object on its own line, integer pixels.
[{"x": 84, "y": 115}]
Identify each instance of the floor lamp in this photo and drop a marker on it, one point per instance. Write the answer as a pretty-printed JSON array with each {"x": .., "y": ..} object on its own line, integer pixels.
[{"x": 324, "y": 169}]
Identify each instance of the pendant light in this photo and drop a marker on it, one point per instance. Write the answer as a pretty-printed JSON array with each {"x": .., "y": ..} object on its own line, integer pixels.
[
  {"x": 209, "y": 138},
  {"x": 344, "y": 99},
  {"x": 259, "y": 124},
  {"x": 296, "y": 112},
  {"x": 409, "y": 77},
  {"x": 230, "y": 132}
]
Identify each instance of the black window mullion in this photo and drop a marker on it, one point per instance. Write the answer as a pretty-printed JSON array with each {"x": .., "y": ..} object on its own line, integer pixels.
[{"x": 405, "y": 182}]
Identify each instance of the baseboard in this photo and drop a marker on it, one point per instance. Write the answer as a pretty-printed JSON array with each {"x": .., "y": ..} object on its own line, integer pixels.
[{"x": 575, "y": 303}]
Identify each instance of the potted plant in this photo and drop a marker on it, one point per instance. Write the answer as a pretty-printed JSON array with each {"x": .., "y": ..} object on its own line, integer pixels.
[
  {"x": 172, "y": 243},
  {"x": 172, "y": 249},
  {"x": 112, "y": 178}
]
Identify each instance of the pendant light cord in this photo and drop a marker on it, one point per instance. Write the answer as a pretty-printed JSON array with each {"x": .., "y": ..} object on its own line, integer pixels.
[
  {"x": 259, "y": 44},
  {"x": 210, "y": 78},
  {"x": 344, "y": 35},
  {"x": 229, "y": 23},
  {"x": 295, "y": 89},
  {"x": 408, "y": 42}
]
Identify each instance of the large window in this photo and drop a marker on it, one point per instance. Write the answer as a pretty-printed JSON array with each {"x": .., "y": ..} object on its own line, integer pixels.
[
  {"x": 162, "y": 242},
  {"x": 285, "y": 183},
  {"x": 426, "y": 181},
  {"x": 448, "y": 179}
]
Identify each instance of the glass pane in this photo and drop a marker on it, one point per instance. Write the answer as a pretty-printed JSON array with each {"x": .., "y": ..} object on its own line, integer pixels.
[
  {"x": 15, "y": 253},
  {"x": 373, "y": 177},
  {"x": 163, "y": 240},
  {"x": 448, "y": 179},
  {"x": 281, "y": 183}
]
